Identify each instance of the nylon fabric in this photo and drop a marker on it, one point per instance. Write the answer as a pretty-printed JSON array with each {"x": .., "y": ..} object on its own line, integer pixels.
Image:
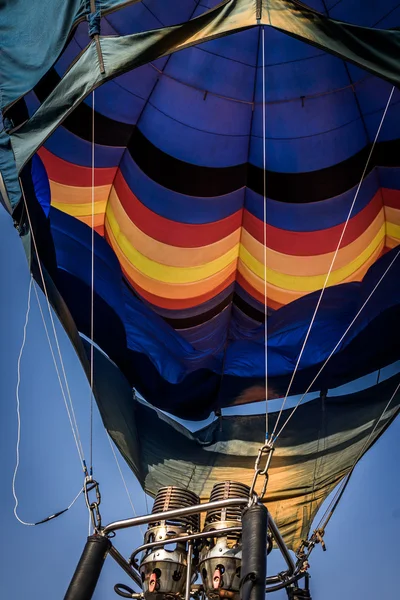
[{"x": 179, "y": 235}]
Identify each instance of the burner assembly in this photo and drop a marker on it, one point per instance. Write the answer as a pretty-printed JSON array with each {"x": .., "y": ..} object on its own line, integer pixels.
[
  {"x": 216, "y": 550},
  {"x": 164, "y": 566},
  {"x": 179, "y": 558},
  {"x": 221, "y": 555}
]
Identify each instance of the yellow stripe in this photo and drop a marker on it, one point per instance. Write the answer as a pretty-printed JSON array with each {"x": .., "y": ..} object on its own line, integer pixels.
[
  {"x": 316, "y": 282},
  {"x": 160, "y": 252},
  {"x": 309, "y": 266},
  {"x": 165, "y": 273},
  {"x": 81, "y": 210},
  {"x": 393, "y": 231}
]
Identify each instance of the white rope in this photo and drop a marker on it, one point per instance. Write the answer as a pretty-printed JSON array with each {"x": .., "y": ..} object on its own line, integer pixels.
[
  {"x": 76, "y": 433},
  {"x": 70, "y": 417},
  {"x": 122, "y": 477},
  {"x": 18, "y": 408},
  {"x": 265, "y": 233},
  {"x": 92, "y": 293},
  {"x": 75, "y": 499},
  {"x": 339, "y": 342},
  {"x": 333, "y": 261}
]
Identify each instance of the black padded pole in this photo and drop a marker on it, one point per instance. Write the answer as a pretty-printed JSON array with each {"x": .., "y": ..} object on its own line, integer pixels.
[
  {"x": 87, "y": 573},
  {"x": 254, "y": 552}
]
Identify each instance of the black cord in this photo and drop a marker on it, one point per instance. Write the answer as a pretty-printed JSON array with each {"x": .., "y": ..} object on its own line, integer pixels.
[{"x": 123, "y": 590}]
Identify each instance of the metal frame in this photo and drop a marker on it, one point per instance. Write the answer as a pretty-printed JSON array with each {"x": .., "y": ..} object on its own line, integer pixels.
[{"x": 273, "y": 583}]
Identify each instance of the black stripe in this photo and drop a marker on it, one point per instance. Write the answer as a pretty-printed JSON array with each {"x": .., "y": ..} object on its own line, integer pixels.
[
  {"x": 108, "y": 132},
  {"x": 195, "y": 320},
  {"x": 193, "y": 180},
  {"x": 247, "y": 309},
  {"x": 183, "y": 177}
]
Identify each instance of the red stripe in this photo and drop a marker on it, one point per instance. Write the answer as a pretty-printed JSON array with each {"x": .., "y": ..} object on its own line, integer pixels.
[
  {"x": 100, "y": 230},
  {"x": 183, "y": 303},
  {"x": 182, "y": 235},
  {"x": 67, "y": 173},
  {"x": 391, "y": 198},
  {"x": 309, "y": 243}
]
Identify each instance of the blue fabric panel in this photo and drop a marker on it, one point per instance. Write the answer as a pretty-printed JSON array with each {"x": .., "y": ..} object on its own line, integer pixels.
[
  {"x": 210, "y": 335},
  {"x": 75, "y": 150},
  {"x": 390, "y": 19},
  {"x": 172, "y": 356},
  {"x": 75, "y": 46},
  {"x": 219, "y": 75},
  {"x": 389, "y": 177},
  {"x": 190, "y": 107},
  {"x": 123, "y": 98},
  {"x": 72, "y": 241},
  {"x": 282, "y": 49},
  {"x": 315, "y": 216},
  {"x": 112, "y": 100},
  {"x": 238, "y": 47},
  {"x": 373, "y": 93},
  {"x": 41, "y": 184},
  {"x": 391, "y": 125},
  {"x": 329, "y": 113},
  {"x": 312, "y": 153},
  {"x": 32, "y": 103},
  {"x": 133, "y": 19},
  {"x": 151, "y": 15},
  {"x": 368, "y": 15},
  {"x": 319, "y": 75},
  {"x": 193, "y": 145}
]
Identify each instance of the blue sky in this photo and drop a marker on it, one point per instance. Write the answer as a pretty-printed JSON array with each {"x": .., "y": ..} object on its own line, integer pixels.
[{"x": 37, "y": 562}]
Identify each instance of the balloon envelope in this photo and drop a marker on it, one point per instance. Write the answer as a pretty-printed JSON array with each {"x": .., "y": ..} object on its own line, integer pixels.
[{"x": 206, "y": 172}]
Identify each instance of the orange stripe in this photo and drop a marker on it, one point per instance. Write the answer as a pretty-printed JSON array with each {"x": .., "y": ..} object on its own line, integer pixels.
[
  {"x": 168, "y": 290},
  {"x": 173, "y": 233},
  {"x": 164, "y": 253},
  {"x": 310, "y": 243},
  {"x": 317, "y": 264},
  {"x": 359, "y": 273},
  {"x": 98, "y": 221},
  {"x": 391, "y": 242},
  {"x": 255, "y": 287},
  {"x": 392, "y": 215},
  {"x": 69, "y": 194}
]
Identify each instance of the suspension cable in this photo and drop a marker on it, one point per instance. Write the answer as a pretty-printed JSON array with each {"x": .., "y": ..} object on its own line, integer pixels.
[
  {"x": 70, "y": 409},
  {"x": 332, "y": 262},
  {"x": 264, "y": 125},
  {"x": 92, "y": 292},
  {"x": 71, "y": 416}
]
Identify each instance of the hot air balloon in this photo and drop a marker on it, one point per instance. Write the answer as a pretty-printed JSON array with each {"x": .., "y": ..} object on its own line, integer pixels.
[{"x": 211, "y": 194}]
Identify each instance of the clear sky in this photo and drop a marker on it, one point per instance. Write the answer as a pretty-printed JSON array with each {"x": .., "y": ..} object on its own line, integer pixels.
[{"x": 37, "y": 562}]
